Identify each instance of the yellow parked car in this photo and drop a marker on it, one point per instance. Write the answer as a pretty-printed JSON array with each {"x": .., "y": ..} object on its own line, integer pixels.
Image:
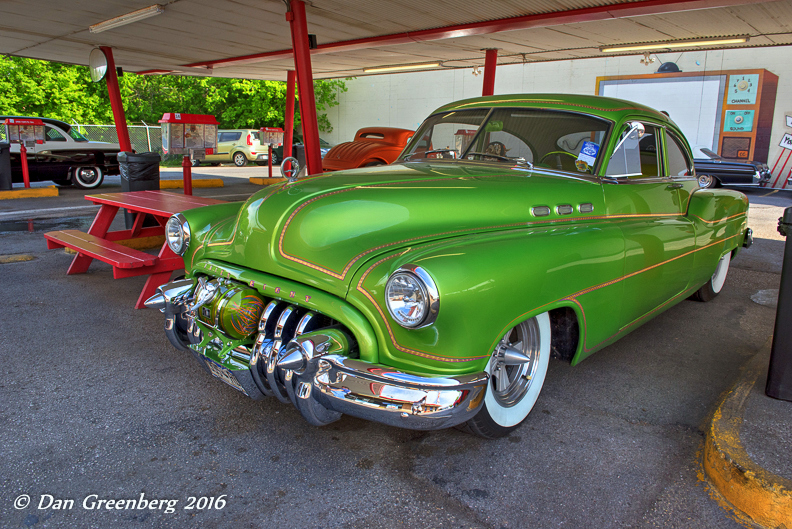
[{"x": 239, "y": 146}]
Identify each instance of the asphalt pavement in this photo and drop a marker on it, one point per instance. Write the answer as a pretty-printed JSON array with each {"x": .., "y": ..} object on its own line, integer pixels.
[{"x": 99, "y": 406}]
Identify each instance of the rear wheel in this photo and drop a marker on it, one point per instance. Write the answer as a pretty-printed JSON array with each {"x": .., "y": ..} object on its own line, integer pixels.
[
  {"x": 239, "y": 159},
  {"x": 517, "y": 370},
  {"x": 713, "y": 287},
  {"x": 87, "y": 177},
  {"x": 195, "y": 163}
]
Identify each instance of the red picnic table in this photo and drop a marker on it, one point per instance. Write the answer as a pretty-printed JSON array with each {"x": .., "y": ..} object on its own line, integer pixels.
[{"x": 128, "y": 262}]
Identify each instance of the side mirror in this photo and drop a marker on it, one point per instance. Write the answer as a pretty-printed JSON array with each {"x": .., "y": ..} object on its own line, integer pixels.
[{"x": 293, "y": 170}]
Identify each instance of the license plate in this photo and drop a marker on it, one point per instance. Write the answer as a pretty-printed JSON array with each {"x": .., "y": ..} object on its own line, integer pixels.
[{"x": 224, "y": 374}]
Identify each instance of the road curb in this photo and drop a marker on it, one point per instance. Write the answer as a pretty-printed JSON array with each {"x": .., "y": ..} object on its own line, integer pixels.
[
  {"x": 198, "y": 182},
  {"x": 264, "y": 181},
  {"x": 763, "y": 497},
  {"x": 33, "y": 192}
]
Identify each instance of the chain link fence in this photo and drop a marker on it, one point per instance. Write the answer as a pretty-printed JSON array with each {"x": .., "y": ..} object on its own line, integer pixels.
[{"x": 144, "y": 138}]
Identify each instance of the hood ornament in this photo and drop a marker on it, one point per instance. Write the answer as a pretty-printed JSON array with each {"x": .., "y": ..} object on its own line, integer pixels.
[{"x": 293, "y": 171}]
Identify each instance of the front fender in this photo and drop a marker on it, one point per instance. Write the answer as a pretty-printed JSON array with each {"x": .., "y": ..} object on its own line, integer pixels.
[
  {"x": 490, "y": 282},
  {"x": 208, "y": 222}
]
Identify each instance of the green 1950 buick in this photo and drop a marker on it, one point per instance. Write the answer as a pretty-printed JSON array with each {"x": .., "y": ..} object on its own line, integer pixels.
[{"x": 432, "y": 292}]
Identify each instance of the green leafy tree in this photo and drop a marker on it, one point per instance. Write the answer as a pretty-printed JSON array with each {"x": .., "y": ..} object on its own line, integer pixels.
[{"x": 37, "y": 88}]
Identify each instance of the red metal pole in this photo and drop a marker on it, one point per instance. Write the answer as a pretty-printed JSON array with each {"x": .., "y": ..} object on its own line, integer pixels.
[
  {"x": 302, "y": 62},
  {"x": 187, "y": 172},
  {"x": 115, "y": 101},
  {"x": 490, "y": 62},
  {"x": 269, "y": 160},
  {"x": 25, "y": 173},
  {"x": 291, "y": 79}
]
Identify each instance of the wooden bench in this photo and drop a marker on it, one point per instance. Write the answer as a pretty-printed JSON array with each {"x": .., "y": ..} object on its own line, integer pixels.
[{"x": 106, "y": 251}]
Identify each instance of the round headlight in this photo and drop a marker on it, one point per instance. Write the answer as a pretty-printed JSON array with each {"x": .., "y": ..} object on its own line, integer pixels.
[
  {"x": 177, "y": 232},
  {"x": 412, "y": 297}
]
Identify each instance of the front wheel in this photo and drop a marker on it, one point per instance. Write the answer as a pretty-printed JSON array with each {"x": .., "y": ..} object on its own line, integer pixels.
[
  {"x": 240, "y": 160},
  {"x": 715, "y": 284},
  {"x": 517, "y": 370},
  {"x": 195, "y": 163},
  {"x": 87, "y": 177},
  {"x": 706, "y": 181}
]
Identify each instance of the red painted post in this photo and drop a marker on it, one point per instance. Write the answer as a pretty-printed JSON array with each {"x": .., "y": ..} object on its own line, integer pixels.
[
  {"x": 302, "y": 62},
  {"x": 25, "y": 172},
  {"x": 490, "y": 62},
  {"x": 269, "y": 160},
  {"x": 288, "y": 127},
  {"x": 115, "y": 101},
  {"x": 187, "y": 172}
]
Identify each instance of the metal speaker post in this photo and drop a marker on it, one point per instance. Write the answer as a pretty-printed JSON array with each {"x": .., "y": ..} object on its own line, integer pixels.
[{"x": 779, "y": 378}]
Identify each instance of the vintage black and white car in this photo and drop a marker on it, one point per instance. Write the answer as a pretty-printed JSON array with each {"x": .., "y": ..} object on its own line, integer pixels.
[{"x": 66, "y": 157}]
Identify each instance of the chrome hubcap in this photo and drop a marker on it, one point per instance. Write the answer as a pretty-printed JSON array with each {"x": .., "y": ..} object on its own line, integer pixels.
[
  {"x": 705, "y": 181},
  {"x": 514, "y": 363}
]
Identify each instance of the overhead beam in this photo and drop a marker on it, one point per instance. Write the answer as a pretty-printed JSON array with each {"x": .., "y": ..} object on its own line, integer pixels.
[{"x": 589, "y": 14}]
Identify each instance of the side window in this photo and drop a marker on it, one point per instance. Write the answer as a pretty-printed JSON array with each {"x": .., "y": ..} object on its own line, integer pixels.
[
  {"x": 54, "y": 135},
  {"x": 678, "y": 161},
  {"x": 637, "y": 157},
  {"x": 233, "y": 136}
]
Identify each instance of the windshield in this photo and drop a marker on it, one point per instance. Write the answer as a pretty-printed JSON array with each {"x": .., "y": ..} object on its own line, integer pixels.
[
  {"x": 76, "y": 136},
  {"x": 554, "y": 139}
]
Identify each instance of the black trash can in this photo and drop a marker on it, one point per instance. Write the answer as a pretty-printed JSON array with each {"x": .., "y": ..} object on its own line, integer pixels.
[
  {"x": 139, "y": 172},
  {"x": 298, "y": 151}
]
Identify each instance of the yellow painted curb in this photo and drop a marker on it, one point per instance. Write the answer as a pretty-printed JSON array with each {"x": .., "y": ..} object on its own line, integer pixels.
[
  {"x": 198, "y": 182},
  {"x": 760, "y": 495},
  {"x": 33, "y": 192},
  {"x": 141, "y": 243},
  {"x": 262, "y": 181},
  {"x": 16, "y": 258}
]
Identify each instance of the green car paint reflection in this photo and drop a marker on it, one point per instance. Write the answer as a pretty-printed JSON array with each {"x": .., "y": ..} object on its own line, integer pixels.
[{"x": 540, "y": 222}]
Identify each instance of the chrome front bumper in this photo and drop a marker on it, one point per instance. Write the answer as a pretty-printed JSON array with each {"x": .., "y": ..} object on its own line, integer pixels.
[{"x": 314, "y": 372}]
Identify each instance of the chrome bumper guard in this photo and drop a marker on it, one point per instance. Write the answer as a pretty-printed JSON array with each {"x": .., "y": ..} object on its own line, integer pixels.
[
  {"x": 314, "y": 372},
  {"x": 748, "y": 239}
]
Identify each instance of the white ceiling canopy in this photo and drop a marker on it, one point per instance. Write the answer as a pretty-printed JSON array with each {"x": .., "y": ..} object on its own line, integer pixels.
[{"x": 251, "y": 38}]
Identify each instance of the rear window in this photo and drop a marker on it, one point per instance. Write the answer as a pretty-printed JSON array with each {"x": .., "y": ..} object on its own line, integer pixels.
[
  {"x": 255, "y": 136},
  {"x": 229, "y": 136}
]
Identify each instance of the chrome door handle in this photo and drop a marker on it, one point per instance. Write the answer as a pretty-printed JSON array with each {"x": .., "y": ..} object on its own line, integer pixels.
[{"x": 675, "y": 185}]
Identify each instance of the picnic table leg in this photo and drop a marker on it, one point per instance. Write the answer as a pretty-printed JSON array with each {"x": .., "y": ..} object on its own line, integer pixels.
[{"x": 99, "y": 227}]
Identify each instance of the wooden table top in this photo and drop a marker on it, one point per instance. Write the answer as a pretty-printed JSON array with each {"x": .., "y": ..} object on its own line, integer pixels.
[{"x": 159, "y": 203}]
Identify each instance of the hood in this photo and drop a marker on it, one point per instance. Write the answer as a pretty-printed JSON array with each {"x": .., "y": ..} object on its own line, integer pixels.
[{"x": 320, "y": 230}]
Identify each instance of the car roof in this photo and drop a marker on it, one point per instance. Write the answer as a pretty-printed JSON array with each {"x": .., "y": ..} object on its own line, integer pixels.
[
  {"x": 62, "y": 124},
  {"x": 606, "y": 107}
]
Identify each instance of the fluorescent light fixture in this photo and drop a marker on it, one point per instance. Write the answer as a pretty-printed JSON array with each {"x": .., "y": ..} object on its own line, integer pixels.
[
  {"x": 403, "y": 67},
  {"x": 666, "y": 45},
  {"x": 123, "y": 20}
]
